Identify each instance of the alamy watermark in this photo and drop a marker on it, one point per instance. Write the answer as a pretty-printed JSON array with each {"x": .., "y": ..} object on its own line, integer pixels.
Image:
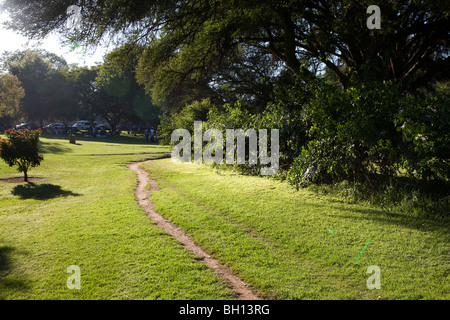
[
  {"x": 374, "y": 281},
  {"x": 213, "y": 151},
  {"x": 74, "y": 17},
  {"x": 374, "y": 20},
  {"x": 74, "y": 281}
]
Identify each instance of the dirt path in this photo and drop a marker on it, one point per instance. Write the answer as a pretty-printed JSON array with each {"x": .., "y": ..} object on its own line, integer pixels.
[{"x": 144, "y": 200}]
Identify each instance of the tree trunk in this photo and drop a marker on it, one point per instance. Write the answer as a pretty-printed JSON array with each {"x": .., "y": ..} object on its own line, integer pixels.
[{"x": 25, "y": 173}]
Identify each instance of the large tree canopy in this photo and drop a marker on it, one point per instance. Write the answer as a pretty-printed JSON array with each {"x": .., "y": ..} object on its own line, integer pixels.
[
  {"x": 119, "y": 96},
  {"x": 188, "y": 41},
  {"x": 41, "y": 75}
]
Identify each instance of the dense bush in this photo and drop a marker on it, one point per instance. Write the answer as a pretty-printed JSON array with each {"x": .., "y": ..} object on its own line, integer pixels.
[
  {"x": 371, "y": 130},
  {"x": 371, "y": 141},
  {"x": 21, "y": 150},
  {"x": 352, "y": 134},
  {"x": 184, "y": 119},
  {"x": 328, "y": 134},
  {"x": 283, "y": 114},
  {"x": 233, "y": 116},
  {"x": 425, "y": 127}
]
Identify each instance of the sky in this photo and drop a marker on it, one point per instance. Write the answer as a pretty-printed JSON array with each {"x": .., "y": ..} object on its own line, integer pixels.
[{"x": 11, "y": 41}]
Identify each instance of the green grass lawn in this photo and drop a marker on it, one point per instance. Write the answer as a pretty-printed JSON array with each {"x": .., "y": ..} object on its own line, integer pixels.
[
  {"x": 83, "y": 212},
  {"x": 275, "y": 237}
]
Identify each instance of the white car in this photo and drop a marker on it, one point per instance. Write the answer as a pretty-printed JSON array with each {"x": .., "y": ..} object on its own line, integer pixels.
[
  {"x": 54, "y": 128},
  {"x": 82, "y": 125}
]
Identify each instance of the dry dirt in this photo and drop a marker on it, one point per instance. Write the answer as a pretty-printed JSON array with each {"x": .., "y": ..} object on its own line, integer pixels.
[{"x": 20, "y": 180}]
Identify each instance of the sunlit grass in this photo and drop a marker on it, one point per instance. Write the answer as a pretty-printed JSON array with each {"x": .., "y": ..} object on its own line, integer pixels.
[
  {"x": 275, "y": 237},
  {"x": 83, "y": 212}
]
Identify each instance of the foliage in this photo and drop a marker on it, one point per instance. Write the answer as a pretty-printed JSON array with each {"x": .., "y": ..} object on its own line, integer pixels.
[
  {"x": 109, "y": 90},
  {"x": 280, "y": 115},
  {"x": 196, "y": 111},
  {"x": 21, "y": 150},
  {"x": 41, "y": 74},
  {"x": 188, "y": 44},
  {"x": 329, "y": 135},
  {"x": 230, "y": 116},
  {"x": 118, "y": 96},
  {"x": 352, "y": 134},
  {"x": 11, "y": 92},
  {"x": 351, "y": 104},
  {"x": 370, "y": 135},
  {"x": 286, "y": 114},
  {"x": 425, "y": 127},
  {"x": 236, "y": 116},
  {"x": 81, "y": 100},
  {"x": 250, "y": 78}
]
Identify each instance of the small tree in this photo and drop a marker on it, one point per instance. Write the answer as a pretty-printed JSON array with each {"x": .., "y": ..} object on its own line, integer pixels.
[{"x": 21, "y": 150}]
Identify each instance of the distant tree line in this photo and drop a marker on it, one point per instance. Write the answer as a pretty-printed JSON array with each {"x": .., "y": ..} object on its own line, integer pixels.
[{"x": 39, "y": 86}]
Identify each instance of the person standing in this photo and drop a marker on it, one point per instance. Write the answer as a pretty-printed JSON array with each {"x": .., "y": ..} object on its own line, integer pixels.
[
  {"x": 152, "y": 134},
  {"x": 146, "y": 135}
]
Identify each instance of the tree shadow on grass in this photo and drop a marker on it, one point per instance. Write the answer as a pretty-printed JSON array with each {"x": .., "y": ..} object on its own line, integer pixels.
[
  {"x": 5, "y": 261},
  {"x": 399, "y": 219},
  {"x": 43, "y": 191},
  {"x": 5, "y": 267},
  {"x": 55, "y": 148}
]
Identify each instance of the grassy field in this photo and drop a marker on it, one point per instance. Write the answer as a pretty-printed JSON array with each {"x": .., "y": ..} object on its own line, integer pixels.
[
  {"x": 83, "y": 212},
  {"x": 301, "y": 245}
]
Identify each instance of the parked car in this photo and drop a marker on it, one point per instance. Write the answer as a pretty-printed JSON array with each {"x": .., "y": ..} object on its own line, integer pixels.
[
  {"x": 23, "y": 126},
  {"x": 30, "y": 126},
  {"x": 57, "y": 128},
  {"x": 82, "y": 125},
  {"x": 102, "y": 124}
]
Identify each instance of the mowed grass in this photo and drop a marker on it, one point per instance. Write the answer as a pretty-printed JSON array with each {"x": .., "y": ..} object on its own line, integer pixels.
[
  {"x": 276, "y": 238},
  {"x": 83, "y": 212}
]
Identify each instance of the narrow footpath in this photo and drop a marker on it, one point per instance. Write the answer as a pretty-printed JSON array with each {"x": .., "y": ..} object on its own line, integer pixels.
[{"x": 143, "y": 196}]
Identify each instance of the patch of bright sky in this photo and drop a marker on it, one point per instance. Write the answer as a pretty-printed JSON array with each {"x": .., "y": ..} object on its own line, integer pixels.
[{"x": 11, "y": 41}]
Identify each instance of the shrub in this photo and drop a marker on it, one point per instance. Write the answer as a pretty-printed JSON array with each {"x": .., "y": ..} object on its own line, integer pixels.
[
  {"x": 352, "y": 134},
  {"x": 21, "y": 150},
  {"x": 233, "y": 116},
  {"x": 184, "y": 119},
  {"x": 425, "y": 127},
  {"x": 277, "y": 115}
]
